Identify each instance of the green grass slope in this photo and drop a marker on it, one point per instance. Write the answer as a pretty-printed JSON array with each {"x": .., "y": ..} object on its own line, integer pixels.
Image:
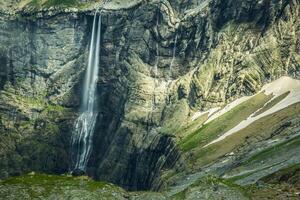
[
  {"x": 41, "y": 186},
  {"x": 259, "y": 130},
  {"x": 217, "y": 127}
]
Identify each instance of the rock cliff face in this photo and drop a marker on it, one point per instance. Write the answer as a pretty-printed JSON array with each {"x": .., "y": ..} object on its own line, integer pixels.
[
  {"x": 40, "y": 65},
  {"x": 160, "y": 61}
]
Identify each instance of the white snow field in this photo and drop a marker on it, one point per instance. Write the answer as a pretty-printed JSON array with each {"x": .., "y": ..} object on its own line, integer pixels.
[{"x": 276, "y": 88}]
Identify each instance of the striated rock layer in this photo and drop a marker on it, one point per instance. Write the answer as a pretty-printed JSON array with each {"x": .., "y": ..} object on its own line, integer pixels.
[{"x": 160, "y": 61}]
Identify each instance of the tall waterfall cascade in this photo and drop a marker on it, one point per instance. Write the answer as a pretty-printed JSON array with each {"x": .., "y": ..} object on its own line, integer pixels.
[
  {"x": 173, "y": 56},
  {"x": 82, "y": 137}
]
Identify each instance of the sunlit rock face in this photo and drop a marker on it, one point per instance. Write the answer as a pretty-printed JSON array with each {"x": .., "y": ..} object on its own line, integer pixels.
[{"x": 160, "y": 60}]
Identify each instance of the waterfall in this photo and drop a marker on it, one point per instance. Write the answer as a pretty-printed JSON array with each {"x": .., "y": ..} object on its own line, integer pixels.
[
  {"x": 156, "y": 80},
  {"x": 173, "y": 55},
  {"x": 82, "y": 137},
  {"x": 169, "y": 82},
  {"x": 157, "y": 51}
]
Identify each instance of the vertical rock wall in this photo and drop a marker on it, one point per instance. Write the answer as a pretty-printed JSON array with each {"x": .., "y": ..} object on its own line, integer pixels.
[{"x": 219, "y": 50}]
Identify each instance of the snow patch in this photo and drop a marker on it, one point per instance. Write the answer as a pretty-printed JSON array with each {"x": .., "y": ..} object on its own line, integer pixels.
[
  {"x": 280, "y": 86},
  {"x": 228, "y": 108},
  {"x": 200, "y": 114}
]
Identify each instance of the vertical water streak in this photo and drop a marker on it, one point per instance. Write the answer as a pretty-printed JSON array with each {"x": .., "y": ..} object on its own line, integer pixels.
[
  {"x": 173, "y": 55},
  {"x": 156, "y": 63},
  {"x": 82, "y": 137},
  {"x": 157, "y": 50}
]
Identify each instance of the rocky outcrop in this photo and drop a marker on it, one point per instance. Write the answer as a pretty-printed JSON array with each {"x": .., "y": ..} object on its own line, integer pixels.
[{"x": 160, "y": 61}]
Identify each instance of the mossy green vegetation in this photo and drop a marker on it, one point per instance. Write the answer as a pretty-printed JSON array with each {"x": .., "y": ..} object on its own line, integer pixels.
[
  {"x": 217, "y": 127},
  {"x": 37, "y": 4},
  {"x": 273, "y": 151},
  {"x": 180, "y": 195},
  {"x": 212, "y": 187},
  {"x": 192, "y": 127},
  {"x": 66, "y": 3},
  {"x": 42, "y": 186}
]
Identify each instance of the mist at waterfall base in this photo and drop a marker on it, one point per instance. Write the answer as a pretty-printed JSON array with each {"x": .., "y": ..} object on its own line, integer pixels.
[{"x": 82, "y": 136}]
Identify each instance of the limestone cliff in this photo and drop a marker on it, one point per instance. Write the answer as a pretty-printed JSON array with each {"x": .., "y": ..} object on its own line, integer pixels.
[{"x": 161, "y": 61}]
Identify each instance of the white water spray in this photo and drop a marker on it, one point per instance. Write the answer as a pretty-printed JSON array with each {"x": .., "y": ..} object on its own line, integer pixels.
[
  {"x": 173, "y": 55},
  {"x": 82, "y": 138}
]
